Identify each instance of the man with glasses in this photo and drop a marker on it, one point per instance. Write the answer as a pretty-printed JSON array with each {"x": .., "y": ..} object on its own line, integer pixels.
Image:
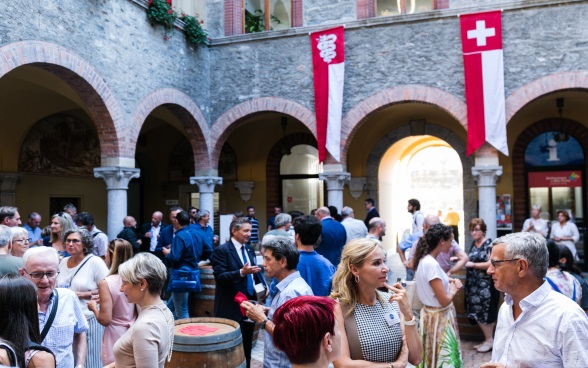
[
  {"x": 58, "y": 308},
  {"x": 8, "y": 262},
  {"x": 537, "y": 326}
]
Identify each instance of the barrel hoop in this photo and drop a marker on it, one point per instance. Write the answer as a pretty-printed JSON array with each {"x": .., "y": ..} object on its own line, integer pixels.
[{"x": 205, "y": 348}]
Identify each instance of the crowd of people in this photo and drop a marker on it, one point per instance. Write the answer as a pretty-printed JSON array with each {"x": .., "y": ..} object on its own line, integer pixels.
[{"x": 69, "y": 297}]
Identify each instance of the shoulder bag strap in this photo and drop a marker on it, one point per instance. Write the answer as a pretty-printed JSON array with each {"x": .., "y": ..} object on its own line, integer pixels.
[
  {"x": 51, "y": 316},
  {"x": 352, "y": 335},
  {"x": 553, "y": 285},
  {"x": 79, "y": 268}
]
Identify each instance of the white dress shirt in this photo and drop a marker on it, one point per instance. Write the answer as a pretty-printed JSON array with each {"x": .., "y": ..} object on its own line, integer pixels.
[{"x": 551, "y": 331}]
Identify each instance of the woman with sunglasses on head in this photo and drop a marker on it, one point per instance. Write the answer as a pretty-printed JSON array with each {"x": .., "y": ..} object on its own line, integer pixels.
[
  {"x": 481, "y": 297},
  {"x": 436, "y": 290},
  {"x": 116, "y": 314},
  {"x": 81, "y": 272},
  {"x": 60, "y": 223}
]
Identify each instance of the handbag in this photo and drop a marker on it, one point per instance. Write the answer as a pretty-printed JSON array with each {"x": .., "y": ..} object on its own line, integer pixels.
[
  {"x": 411, "y": 294},
  {"x": 184, "y": 281}
]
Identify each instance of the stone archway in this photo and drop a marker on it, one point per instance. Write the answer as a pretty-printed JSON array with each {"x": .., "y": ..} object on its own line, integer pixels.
[
  {"x": 470, "y": 188},
  {"x": 188, "y": 113},
  {"x": 81, "y": 76}
]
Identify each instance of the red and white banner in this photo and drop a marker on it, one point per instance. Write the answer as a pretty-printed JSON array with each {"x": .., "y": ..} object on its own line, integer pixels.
[
  {"x": 481, "y": 36},
  {"x": 328, "y": 62}
]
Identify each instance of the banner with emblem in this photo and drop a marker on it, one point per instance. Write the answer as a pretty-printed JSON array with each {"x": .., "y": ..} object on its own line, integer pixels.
[
  {"x": 481, "y": 36},
  {"x": 328, "y": 62}
]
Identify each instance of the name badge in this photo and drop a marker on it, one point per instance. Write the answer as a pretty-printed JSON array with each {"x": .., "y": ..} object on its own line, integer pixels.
[{"x": 392, "y": 317}]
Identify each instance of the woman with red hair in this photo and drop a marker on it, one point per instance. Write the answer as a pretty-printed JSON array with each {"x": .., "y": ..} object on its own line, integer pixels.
[{"x": 307, "y": 331}]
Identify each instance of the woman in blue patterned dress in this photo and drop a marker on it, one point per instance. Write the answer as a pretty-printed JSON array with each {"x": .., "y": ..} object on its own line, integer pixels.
[{"x": 379, "y": 326}]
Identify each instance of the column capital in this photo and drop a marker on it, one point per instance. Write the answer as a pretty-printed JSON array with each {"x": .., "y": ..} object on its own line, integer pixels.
[
  {"x": 486, "y": 176},
  {"x": 206, "y": 184},
  {"x": 245, "y": 189},
  {"x": 8, "y": 181},
  {"x": 116, "y": 177},
  {"x": 335, "y": 180}
]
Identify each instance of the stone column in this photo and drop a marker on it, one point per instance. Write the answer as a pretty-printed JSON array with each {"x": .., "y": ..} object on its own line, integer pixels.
[
  {"x": 206, "y": 186},
  {"x": 8, "y": 188},
  {"x": 335, "y": 183},
  {"x": 486, "y": 177},
  {"x": 117, "y": 184}
]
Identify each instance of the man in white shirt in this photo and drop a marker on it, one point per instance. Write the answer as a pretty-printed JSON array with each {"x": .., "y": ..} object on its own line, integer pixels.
[
  {"x": 99, "y": 238},
  {"x": 353, "y": 227},
  {"x": 150, "y": 232},
  {"x": 537, "y": 327}
]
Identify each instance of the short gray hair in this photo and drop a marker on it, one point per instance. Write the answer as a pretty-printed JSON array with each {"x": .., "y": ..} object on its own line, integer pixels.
[
  {"x": 87, "y": 239},
  {"x": 36, "y": 251},
  {"x": 282, "y": 219},
  {"x": 17, "y": 230},
  {"x": 528, "y": 246},
  {"x": 536, "y": 207},
  {"x": 346, "y": 211},
  {"x": 144, "y": 266},
  {"x": 201, "y": 213},
  {"x": 5, "y": 236}
]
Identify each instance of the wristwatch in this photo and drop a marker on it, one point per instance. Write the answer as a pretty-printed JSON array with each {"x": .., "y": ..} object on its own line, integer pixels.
[
  {"x": 412, "y": 322},
  {"x": 264, "y": 323}
]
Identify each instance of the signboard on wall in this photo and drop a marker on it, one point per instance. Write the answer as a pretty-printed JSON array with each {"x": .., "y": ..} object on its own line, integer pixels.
[{"x": 552, "y": 179}]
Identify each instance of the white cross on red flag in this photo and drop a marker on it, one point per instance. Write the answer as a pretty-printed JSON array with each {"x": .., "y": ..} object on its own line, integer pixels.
[
  {"x": 481, "y": 36},
  {"x": 328, "y": 63}
]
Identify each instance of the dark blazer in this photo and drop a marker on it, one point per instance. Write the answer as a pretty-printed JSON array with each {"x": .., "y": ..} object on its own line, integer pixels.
[
  {"x": 333, "y": 239},
  {"x": 166, "y": 236},
  {"x": 146, "y": 242},
  {"x": 130, "y": 235},
  {"x": 226, "y": 265},
  {"x": 370, "y": 215}
]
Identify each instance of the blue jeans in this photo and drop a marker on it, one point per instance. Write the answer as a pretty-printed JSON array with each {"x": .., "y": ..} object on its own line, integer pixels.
[{"x": 178, "y": 304}]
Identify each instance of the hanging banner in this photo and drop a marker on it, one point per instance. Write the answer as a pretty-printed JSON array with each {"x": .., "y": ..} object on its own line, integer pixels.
[
  {"x": 481, "y": 36},
  {"x": 328, "y": 62}
]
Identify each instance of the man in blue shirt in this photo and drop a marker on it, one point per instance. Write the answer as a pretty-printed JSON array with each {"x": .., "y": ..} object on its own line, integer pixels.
[
  {"x": 254, "y": 227},
  {"x": 280, "y": 259},
  {"x": 315, "y": 269},
  {"x": 201, "y": 225},
  {"x": 34, "y": 230}
]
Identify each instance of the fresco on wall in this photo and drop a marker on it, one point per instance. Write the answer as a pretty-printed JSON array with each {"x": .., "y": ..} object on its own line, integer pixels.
[
  {"x": 554, "y": 149},
  {"x": 60, "y": 144}
]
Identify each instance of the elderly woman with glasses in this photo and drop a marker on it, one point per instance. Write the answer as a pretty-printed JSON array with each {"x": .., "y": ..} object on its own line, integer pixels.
[
  {"x": 20, "y": 241},
  {"x": 81, "y": 272}
]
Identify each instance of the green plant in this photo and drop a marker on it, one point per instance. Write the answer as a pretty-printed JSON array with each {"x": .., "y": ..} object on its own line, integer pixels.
[
  {"x": 195, "y": 34},
  {"x": 255, "y": 22},
  {"x": 160, "y": 11}
]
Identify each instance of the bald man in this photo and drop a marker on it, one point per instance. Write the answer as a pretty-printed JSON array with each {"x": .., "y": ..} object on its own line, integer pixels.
[
  {"x": 129, "y": 233},
  {"x": 150, "y": 232}
]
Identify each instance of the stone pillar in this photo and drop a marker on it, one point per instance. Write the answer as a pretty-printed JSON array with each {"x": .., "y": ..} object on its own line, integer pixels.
[
  {"x": 335, "y": 183},
  {"x": 206, "y": 186},
  {"x": 8, "y": 188},
  {"x": 486, "y": 177},
  {"x": 117, "y": 184}
]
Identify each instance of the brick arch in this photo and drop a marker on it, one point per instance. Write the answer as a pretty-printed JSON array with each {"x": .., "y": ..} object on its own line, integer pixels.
[
  {"x": 520, "y": 194},
  {"x": 272, "y": 166},
  {"x": 231, "y": 119},
  {"x": 407, "y": 93},
  {"x": 187, "y": 112},
  {"x": 537, "y": 88},
  {"x": 91, "y": 87}
]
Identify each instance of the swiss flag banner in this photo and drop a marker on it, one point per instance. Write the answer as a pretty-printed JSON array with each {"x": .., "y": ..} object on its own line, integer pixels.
[
  {"x": 481, "y": 37},
  {"x": 328, "y": 63}
]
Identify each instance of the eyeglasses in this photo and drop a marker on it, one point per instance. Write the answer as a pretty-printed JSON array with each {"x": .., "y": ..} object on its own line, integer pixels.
[
  {"x": 23, "y": 240},
  {"x": 75, "y": 241},
  {"x": 39, "y": 275},
  {"x": 501, "y": 261}
]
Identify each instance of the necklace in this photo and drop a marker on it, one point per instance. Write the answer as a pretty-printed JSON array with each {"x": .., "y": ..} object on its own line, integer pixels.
[{"x": 170, "y": 327}]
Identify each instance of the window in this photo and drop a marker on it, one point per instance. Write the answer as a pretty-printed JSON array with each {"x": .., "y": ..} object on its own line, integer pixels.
[
  {"x": 195, "y": 8},
  {"x": 396, "y": 7},
  {"x": 301, "y": 189},
  {"x": 258, "y": 19}
]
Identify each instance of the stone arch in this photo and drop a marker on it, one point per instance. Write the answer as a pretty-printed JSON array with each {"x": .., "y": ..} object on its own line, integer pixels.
[
  {"x": 470, "y": 189},
  {"x": 272, "y": 166},
  {"x": 231, "y": 118},
  {"x": 187, "y": 112},
  {"x": 520, "y": 194},
  {"x": 407, "y": 93},
  {"x": 542, "y": 86},
  {"x": 81, "y": 76}
]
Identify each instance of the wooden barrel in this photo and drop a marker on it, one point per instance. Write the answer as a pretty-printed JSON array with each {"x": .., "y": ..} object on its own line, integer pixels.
[
  {"x": 219, "y": 349},
  {"x": 202, "y": 304}
]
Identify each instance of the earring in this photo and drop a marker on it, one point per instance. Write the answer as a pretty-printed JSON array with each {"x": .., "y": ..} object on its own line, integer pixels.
[
  {"x": 357, "y": 279},
  {"x": 329, "y": 348},
  {"x": 142, "y": 289}
]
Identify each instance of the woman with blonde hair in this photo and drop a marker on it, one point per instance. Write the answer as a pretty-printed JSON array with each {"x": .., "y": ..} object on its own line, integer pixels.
[
  {"x": 116, "y": 314},
  {"x": 379, "y": 326},
  {"x": 438, "y": 326},
  {"x": 60, "y": 224}
]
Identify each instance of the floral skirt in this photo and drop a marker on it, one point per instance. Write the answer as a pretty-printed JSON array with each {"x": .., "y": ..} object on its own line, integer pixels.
[{"x": 440, "y": 337}]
